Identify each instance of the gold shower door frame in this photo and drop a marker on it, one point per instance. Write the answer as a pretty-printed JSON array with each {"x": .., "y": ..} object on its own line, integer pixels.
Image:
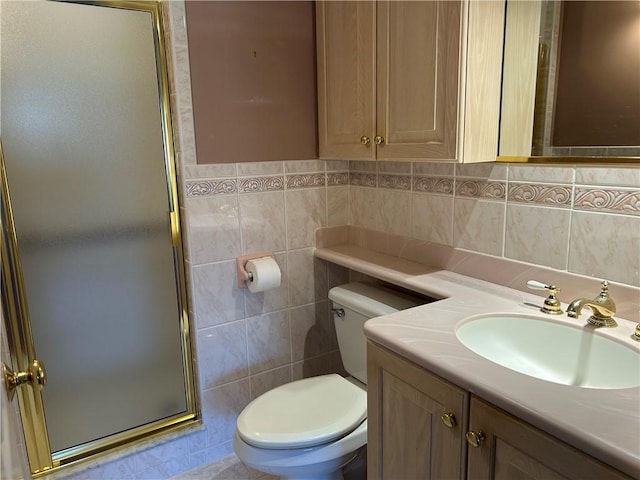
[{"x": 15, "y": 310}]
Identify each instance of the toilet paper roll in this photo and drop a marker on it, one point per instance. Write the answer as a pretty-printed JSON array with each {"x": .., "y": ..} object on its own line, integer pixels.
[{"x": 265, "y": 273}]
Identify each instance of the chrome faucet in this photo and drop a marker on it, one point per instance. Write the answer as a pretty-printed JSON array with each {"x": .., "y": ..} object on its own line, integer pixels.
[{"x": 603, "y": 308}]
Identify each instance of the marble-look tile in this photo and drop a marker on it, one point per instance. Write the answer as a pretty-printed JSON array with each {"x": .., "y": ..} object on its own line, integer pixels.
[
  {"x": 545, "y": 174},
  {"x": 304, "y": 166},
  {"x": 490, "y": 171},
  {"x": 337, "y": 165},
  {"x": 220, "y": 409},
  {"x": 217, "y": 170},
  {"x": 123, "y": 468},
  {"x": 478, "y": 225},
  {"x": 306, "y": 211},
  {"x": 321, "y": 365},
  {"x": 158, "y": 457},
  {"x": 222, "y": 353},
  {"x": 246, "y": 169},
  {"x": 394, "y": 212},
  {"x": 177, "y": 23},
  {"x": 312, "y": 331},
  {"x": 307, "y": 277},
  {"x": 606, "y": 246},
  {"x": 336, "y": 275},
  {"x": 271, "y": 300},
  {"x": 205, "y": 461},
  {"x": 537, "y": 235},
  {"x": 608, "y": 176},
  {"x": 338, "y": 205},
  {"x": 394, "y": 167},
  {"x": 227, "y": 468},
  {"x": 213, "y": 228},
  {"x": 268, "y": 341},
  {"x": 262, "y": 220},
  {"x": 265, "y": 381},
  {"x": 363, "y": 206},
  {"x": 432, "y": 218},
  {"x": 362, "y": 166},
  {"x": 217, "y": 298},
  {"x": 433, "y": 169}
]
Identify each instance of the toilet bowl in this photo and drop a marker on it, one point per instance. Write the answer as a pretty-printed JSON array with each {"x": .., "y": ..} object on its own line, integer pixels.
[{"x": 311, "y": 428}]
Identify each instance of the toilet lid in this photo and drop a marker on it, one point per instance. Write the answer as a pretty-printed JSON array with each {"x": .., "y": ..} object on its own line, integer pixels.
[{"x": 303, "y": 413}]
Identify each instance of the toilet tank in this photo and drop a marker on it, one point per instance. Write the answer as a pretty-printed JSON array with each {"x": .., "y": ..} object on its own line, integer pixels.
[{"x": 361, "y": 301}]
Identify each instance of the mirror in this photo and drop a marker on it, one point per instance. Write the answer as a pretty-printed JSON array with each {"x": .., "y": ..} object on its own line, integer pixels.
[{"x": 571, "y": 81}]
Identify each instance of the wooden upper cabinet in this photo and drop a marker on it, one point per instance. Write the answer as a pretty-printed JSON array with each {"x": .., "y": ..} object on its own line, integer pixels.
[
  {"x": 346, "y": 86},
  {"x": 400, "y": 74},
  {"x": 417, "y": 72}
]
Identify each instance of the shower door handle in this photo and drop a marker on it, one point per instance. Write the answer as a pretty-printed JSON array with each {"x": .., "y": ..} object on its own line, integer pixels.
[{"x": 35, "y": 374}]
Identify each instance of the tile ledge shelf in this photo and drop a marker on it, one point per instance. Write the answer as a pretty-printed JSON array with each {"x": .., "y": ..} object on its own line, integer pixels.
[{"x": 395, "y": 259}]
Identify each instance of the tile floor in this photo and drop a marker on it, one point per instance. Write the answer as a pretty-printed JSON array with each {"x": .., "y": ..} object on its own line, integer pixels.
[
  {"x": 227, "y": 468},
  {"x": 231, "y": 468}
]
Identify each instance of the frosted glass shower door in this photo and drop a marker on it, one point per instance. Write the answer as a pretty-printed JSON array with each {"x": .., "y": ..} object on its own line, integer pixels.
[{"x": 87, "y": 168}]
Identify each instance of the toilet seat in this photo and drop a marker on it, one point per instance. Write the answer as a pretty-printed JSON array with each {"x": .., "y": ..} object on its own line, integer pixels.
[{"x": 303, "y": 413}]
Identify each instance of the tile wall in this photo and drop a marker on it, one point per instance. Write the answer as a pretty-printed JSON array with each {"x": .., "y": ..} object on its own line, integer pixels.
[{"x": 584, "y": 220}]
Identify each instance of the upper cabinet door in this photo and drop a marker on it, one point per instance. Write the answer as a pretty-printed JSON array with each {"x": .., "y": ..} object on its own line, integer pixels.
[
  {"x": 410, "y": 80},
  {"x": 346, "y": 88},
  {"x": 418, "y": 51}
]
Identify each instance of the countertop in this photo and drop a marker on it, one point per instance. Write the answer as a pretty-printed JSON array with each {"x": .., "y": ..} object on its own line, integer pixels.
[{"x": 602, "y": 423}]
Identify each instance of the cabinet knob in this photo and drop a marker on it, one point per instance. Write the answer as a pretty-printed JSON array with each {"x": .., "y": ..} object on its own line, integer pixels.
[
  {"x": 449, "y": 419},
  {"x": 364, "y": 140},
  {"x": 378, "y": 140},
  {"x": 475, "y": 438}
]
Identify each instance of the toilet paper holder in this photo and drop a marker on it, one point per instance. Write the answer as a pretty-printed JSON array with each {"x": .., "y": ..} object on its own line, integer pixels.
[{"x": 241, "y": 264}]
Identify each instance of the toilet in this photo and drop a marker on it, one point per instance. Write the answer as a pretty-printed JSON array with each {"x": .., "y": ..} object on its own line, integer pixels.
[{"x": 312, "y": 428}]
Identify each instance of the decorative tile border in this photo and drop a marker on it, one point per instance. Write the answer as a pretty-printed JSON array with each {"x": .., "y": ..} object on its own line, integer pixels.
[
  {"x": 261, "y": 184},
  {"x": 604, "y": 199},
  {"x": 306, "y": 180},
  {"x": 362, "y": 179},
  {"x": 397, "y": 182},
  {"x": 203, "y": 188},
  {"x": 608, "y": 200},
  {"x": 548, "y": 195},
  {"x": 441, "y": 185},
  {"x": 481, "y": 189},
  {"x": 337, "y": 178}
]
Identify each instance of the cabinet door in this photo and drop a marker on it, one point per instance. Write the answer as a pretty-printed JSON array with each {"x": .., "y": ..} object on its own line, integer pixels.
[
  {"x": 406, "y": 435},
  {"x": 514, "y": 449},
  {"x": 346, "y": 92},
  {"x": 418, "y": 58}
]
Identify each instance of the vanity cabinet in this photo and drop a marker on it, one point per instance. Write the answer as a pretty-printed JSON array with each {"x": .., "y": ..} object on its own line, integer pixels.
[
  {"x": 422, "y": 426},
  {"x": 406, "y": 436},
  {"x": 409, "y": 80}
]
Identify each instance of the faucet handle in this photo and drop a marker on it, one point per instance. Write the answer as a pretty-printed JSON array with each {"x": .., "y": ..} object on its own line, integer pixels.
[{"x": 551, "y": 304}]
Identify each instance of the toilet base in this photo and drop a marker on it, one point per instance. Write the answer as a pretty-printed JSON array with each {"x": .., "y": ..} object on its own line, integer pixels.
[{"x": 323, "y": 462}]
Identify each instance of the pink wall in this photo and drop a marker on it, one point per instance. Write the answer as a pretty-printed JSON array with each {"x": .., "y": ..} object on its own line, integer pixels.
[{"x": 253, "y": 80}]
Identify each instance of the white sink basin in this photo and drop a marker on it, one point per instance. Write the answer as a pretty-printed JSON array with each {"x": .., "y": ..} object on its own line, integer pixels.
[{"x": 552, "y": 351}]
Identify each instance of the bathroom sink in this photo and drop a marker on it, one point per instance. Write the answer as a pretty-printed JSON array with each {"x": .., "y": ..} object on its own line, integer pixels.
[{"x": 552, "y": 351}]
